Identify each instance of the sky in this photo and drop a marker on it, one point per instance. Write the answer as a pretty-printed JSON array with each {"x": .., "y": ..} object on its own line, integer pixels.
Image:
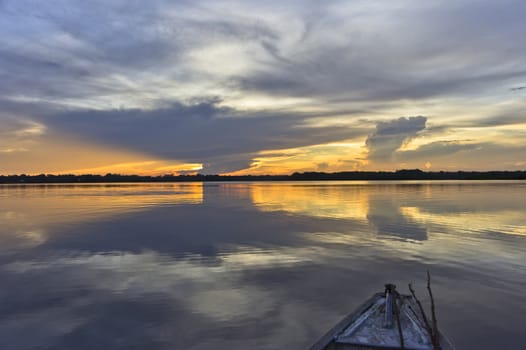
[{"x": 252, "y": 87}]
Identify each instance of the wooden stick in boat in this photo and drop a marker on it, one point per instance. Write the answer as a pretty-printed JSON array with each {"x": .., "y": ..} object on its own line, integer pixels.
[
  {"x": 435, "y": 337},
  {"x": 432, "y": 330},
  {"x": 427, "y": 326}
]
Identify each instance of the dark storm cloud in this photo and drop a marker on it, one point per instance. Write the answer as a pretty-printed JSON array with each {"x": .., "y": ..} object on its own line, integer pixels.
[
  {"x": 221, "y": 138},
  {"x": 390, "y": 136}
]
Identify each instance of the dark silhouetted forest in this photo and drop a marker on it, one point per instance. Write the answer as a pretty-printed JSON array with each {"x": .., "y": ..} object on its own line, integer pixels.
[{"x": 412, "y": 174}]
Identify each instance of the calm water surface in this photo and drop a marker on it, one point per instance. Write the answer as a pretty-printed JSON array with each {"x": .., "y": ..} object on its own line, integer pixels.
[{"x": 253, "y": 265}]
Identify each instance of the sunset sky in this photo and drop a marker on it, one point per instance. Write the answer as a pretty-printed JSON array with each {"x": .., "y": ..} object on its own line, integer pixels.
[{"x": 261, "y": 87}]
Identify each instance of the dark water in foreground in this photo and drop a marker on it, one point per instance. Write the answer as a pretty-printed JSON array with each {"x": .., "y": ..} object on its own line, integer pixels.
[{"x": 253, "y": 265}]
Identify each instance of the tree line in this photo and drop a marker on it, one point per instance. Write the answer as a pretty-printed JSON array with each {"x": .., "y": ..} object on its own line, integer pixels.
[{"x": 405, "y": 174}]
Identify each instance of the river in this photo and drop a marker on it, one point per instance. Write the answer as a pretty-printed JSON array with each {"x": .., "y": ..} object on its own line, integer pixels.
[{"x": 268, "y": 265}]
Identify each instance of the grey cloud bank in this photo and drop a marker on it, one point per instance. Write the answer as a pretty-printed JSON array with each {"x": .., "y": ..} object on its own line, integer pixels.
[
  {"x": 129, "y": 74},
  {"x": 218, "y": 137}
]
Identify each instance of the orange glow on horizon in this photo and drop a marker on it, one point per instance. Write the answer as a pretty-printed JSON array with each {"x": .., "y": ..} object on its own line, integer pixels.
[{"x": 146, "y": 168}]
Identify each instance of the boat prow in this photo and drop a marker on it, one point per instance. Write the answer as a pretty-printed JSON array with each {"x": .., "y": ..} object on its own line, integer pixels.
[{"x": 386, "y": 321}]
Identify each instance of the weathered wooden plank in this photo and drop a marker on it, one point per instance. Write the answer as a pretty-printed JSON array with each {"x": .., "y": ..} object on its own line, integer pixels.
[{"x": 328, "y": 338}]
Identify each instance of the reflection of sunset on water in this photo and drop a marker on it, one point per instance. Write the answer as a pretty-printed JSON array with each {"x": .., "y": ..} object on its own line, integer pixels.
[
  {"x": 418, "y": 219},
  {"x": 223, "y": 257},
  {"x": 32, "y": 211},
  {"x": 313, "y": 200},
  {"x": 506, "y": 222}
]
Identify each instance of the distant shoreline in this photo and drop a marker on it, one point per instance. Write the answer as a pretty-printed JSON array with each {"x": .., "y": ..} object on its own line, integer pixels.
[{"x": 414, "y": 174}]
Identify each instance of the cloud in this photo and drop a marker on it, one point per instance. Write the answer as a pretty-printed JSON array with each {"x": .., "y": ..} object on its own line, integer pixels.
[
  {"x": 323, "y": 166},
  {"x": 437, "y": 149},
  {"x": 220, "y": 138},
  {"x": 116, "y": 52},
  {"x": 117, "y": 63},
  {"x": 228, "y": 164},
  {"x": 428, "y": 63},
  {"x": 464, "y": 155},
  {"x": 19, "y": 129},
  {"x": 390, "y": 136},
  {"x": 69, "y": 51},
  {"x": 513, "y": 118},
  {"x": 18, "y": 135}
]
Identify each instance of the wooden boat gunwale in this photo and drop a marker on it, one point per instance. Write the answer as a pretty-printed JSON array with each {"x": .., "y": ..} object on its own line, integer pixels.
[{"x": 327, "y": 341}]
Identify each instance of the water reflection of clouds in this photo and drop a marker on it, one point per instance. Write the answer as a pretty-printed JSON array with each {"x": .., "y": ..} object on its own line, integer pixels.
[
  {"x": 362, "y": 202},
  {"x": 31, "y": 213},
  {"x": 109, "y": 295},
  {"x": 210, "y": 290},
  {"x": 404, "y": 210},
  {"x": 505, "y": 222},
  {"x": 389, "y": 219},
  {"x": 313, "y": 200},
  {"x": 228, "y": 274},
  {"x": 440, "y": 217},
  {"x": 150, "y": 300},
  {"x": 206, "y": 230}
]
